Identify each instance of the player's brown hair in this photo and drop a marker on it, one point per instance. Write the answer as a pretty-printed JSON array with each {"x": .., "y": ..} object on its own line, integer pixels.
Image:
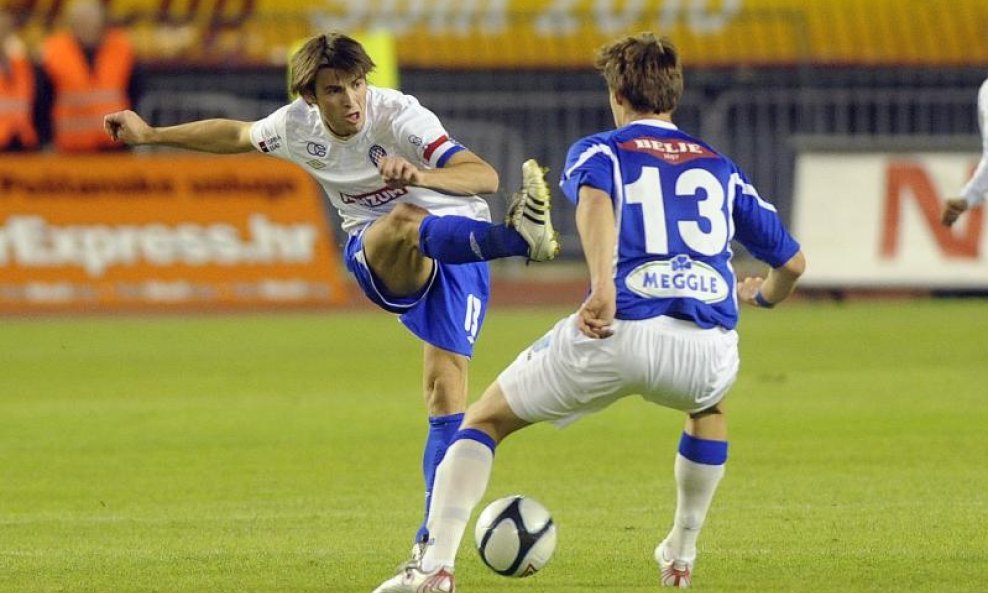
[
  {"x": 329, "y": 50},
  {"x": 643, "y": 69}
]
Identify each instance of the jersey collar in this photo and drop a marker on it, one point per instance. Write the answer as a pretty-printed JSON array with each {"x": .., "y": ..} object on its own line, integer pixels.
[{"x": 658, "y": 123}]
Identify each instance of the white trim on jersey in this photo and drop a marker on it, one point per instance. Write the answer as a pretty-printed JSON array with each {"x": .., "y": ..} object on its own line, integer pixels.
[
  {"x": 589, "y": 153},
  {"x": 619, "y": 208},
  {"x": 585, "y": 156},
  {"x": 658, "y": 123},
  {"x": 749, "y": 190}
]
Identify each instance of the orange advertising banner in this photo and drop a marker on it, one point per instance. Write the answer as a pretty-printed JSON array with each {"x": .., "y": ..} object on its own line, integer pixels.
[{"x": 130, "y": 232}]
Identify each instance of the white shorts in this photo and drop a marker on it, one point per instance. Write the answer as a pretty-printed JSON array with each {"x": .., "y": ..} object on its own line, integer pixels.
[{"x": 565, "y": 375}]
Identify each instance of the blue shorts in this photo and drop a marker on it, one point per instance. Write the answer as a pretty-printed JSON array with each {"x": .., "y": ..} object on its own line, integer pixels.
[{"x": 447, "y": 312}]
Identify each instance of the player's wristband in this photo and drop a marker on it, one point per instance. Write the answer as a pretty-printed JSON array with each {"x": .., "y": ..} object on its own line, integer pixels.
[{"x": 762, "y": 302}]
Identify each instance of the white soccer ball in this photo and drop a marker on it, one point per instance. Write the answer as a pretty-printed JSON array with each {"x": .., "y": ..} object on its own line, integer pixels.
[{"x": 515, "y": 536}]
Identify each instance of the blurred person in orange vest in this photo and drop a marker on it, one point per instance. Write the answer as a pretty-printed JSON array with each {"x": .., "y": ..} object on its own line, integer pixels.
[
  {"x": 17, "y": 90},
  {"x": 89, "y": 67}
]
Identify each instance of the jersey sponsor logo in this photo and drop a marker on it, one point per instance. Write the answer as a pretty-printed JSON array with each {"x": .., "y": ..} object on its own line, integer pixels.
[
  {"x": 414, "y": 140},
  {"x": 270, "y": 144},
  {"x": 374, "y": 198},
  {"x": 676, "y": 152},
  {"x": 679, "y": 277},
  {"x": 316, "y": 149},
  {"x": 376, "y": 153}
]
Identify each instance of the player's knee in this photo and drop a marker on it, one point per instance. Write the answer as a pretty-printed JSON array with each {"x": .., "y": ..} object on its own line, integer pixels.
[
  {"x": 445, "y": 395},
  {"x": 713, "y": 410},
  {"x": 403, "y": 222}
]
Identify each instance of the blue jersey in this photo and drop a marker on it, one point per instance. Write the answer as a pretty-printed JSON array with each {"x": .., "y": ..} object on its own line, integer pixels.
[{"x": 677, "y": 204}]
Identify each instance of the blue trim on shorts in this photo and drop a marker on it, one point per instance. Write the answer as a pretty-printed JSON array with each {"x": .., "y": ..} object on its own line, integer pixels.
[
  {"x": 472, "y": 434},
  {"x": 448, "y": 312},
  {"x": 703, "y": 450},
  {"x": 372, "y": 285}
]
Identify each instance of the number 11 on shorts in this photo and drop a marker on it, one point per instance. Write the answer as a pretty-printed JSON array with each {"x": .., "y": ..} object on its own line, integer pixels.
[{"x": 471, "y": 323}]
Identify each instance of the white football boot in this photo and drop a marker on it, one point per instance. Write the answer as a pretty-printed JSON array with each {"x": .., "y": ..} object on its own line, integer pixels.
[
  {"x": 673, "y": 573},
  {"x": 412, "y": 579},
  {"x": 529, "y": 213}
]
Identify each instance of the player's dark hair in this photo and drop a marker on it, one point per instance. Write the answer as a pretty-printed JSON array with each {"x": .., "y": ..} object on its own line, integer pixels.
[
  {"x": 644, "y": 70},
  {"x": 330, "y": 50}
]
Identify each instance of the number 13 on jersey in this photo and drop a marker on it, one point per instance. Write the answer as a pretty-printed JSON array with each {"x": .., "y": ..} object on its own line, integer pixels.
[{"x": 695, "y": 183}]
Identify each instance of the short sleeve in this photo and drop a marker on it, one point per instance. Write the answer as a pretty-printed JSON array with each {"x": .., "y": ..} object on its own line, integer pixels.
[
  {"x": 976, "y": 189},
  {"x": 758, "y": 227},
  {"x": 589, "y": 162},
  {"x": 420, "y": 132},
  {"x": 268, "y": 135}
]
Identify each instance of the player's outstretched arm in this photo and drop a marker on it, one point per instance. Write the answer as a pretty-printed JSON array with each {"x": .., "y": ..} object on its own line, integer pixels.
[
  {"x": 464, "y": 174},
  {"x": 596, "y": 225},
  {"x": 209, "y": 135},
  {"x": 977, "y": 188},
  {"x": 774, "y": 288}
]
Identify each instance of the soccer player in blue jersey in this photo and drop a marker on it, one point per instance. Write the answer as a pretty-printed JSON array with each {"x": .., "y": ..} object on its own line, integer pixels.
[{"x": 656, "y": 212}]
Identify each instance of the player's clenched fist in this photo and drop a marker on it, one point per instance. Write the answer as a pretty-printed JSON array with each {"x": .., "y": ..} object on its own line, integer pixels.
[
  {"x": 398, "y": 173},
  {"x": 951, "y": 210},
  {"x": 127, "y": 127},
  {"x": 748, "y": 288}
]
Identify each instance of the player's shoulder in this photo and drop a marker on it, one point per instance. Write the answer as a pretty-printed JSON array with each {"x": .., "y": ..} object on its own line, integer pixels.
[
  {"x": 297, "y": 109},
  {"x": 390, "y": 101},
  {"x": 599, "y": 142},
  {"x": 300, "y": 116}
]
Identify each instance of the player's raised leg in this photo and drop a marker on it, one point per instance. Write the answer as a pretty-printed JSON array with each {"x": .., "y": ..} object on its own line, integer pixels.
[
  {"x": 527, "y": 232},
  {"x": 699, "y": 468}
]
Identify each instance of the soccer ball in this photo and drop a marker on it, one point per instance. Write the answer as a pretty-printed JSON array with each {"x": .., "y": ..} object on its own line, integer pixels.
[{"x": 515, "y": 536}]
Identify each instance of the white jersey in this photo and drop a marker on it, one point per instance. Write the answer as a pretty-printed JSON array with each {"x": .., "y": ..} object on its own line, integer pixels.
[
  {"x": 977, "y": 188},
  {"x": 396, "y": 125}
]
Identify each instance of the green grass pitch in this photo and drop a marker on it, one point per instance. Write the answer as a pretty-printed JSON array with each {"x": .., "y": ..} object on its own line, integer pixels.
[{"x": 272, "y": 454}]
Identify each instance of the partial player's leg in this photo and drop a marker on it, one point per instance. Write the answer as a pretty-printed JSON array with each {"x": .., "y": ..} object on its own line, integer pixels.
[
  {"x": 460, "y": 483},
  {"x": 390, "y": 249},
  {"x": 699, "y": 468},
  {"x": 461, "y": 478},
  {"x": 527, "y": 232},
  {"x": 400, "y": 245},
  {"x": 445, "y": 389}
]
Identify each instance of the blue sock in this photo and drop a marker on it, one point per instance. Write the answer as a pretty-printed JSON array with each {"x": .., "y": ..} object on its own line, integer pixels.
[
  {"x": 442, "y": 429},
  {"x": 460, "y": 240},
  {"x": 473, "y": 434},
  {"x": 703, "y": 450}
]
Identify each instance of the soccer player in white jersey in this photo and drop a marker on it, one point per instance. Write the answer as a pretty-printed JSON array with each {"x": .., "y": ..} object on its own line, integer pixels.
[
  {"x": 976, "y": 190},
  {"x": 656, "y": 212},
  {"x": 419, "y": 237}
]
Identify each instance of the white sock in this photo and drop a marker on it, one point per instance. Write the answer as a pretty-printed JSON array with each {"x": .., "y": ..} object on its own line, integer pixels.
[
  {"x": 696, "y": 484},
  {"x": 461, "y": 480}
]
